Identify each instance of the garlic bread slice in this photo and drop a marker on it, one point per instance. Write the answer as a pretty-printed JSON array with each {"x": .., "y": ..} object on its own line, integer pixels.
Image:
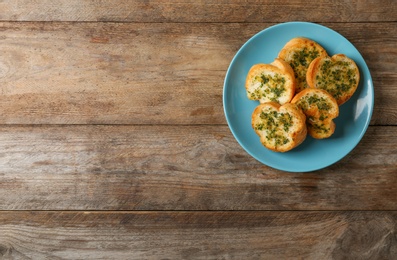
[
  {"x": 271, "y": 82},
  {"x": 280, "y": 127},
  {"x": 320, "y": 109},
  {"x": 338, "y": 75},
  {"x": 299, "y": 53}
]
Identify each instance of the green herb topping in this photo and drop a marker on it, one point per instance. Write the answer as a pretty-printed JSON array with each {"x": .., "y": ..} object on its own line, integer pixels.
[
  {"x": 320, "y": 128},
  {"x": 314, "y": 100},
  {"x": 336, "y": 77},
  {"x": 271, "y": 87},
  {"x": 300, "y": 62},
  {"x": 273, "y": 123}
]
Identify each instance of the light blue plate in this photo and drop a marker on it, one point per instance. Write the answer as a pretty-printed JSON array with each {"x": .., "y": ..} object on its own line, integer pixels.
[{"x": 312, "y": 154}]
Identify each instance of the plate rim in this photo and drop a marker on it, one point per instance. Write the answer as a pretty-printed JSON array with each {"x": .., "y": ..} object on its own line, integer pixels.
[{"x": 365, "y": 70}]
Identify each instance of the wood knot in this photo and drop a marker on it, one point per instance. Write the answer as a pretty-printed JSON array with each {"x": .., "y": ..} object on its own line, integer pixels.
[
  {"x": 5, "y": 250},
  {"x": 367, "y": 239}
]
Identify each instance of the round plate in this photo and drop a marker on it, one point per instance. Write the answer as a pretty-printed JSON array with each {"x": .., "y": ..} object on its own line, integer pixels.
[{"x": 312, "y": 154}]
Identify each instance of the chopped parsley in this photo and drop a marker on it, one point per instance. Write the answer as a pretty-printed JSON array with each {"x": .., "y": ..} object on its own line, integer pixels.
[
  {"x": 305, "y": 56},
  {"x": 314, "y": 100},
  {"x": 315, "y": 117},
  {"x": 271, "y": 87},
  {"x": 286, "y": 120},
  {"x": 320, "y": 128},
  {"x": 264, "y": 79},
  {"x": 300, "y": 62},
  {"x": 336, "y": 77},
  {"x": 273, "y": 123}
]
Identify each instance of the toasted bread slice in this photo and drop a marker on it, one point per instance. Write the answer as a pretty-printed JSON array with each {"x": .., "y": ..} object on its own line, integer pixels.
[
  {"x": 271, "y": 82},
  {"x": 299, "y": 53},
  {"x": 320, "y": 109},
  {"x": 339, "y": 75},
  {"x": 280, "y": 128}
]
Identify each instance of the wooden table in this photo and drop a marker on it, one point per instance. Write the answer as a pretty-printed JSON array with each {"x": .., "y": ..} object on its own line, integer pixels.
[{"x": 114, "y": 144}]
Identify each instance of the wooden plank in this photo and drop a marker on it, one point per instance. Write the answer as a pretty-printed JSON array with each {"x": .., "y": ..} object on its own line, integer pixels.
[
  {"x": 197, "y": 11},
  {"x": 116, "y": 73},
  {"x": 180, "y": 168},
  {"x": 198, "y": 235}
]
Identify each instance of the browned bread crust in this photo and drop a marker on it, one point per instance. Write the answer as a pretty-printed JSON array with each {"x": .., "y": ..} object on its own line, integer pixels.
[
  {"x": 271, "y": 82},
  {"x": 338, "y": 75},
  {"x": 299, "y": 53},
  {"x": 280, "y": 127},
  {"x": 320, "y": 109}
]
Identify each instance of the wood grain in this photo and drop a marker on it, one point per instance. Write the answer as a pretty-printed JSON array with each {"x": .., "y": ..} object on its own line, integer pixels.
[
  {"x": 114, "y": 144},
  {"x": 116, "y": 73},
  {"x": 180, "y": 168},
  {"x": 198, "y": 11},
  {"x": 198, "y": 235}
]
